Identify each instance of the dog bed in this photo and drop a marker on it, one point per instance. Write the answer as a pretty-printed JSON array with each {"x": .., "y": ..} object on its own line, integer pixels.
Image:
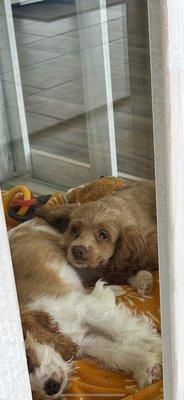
[{"x": 91, "y": 381}]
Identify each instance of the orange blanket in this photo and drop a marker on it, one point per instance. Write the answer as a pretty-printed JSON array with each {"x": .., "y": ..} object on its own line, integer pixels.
[{"x": 90, "y": 380}]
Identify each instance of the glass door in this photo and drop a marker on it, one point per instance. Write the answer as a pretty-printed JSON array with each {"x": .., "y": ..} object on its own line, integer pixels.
[
  {"x": 75, "y": 93},
  {"x": 64, "y": 81},
  {"x": 84, "y": 69}
]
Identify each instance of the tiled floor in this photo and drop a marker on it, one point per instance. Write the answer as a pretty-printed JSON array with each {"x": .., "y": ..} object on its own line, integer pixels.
[{"x": 50, "y": 55}]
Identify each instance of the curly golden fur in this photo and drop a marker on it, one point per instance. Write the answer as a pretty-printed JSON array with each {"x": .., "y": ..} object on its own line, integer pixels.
[{"x": 112, "y": 238}]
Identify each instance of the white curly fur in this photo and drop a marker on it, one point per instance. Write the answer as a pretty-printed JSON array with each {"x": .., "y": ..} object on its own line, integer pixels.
[{"x": 111, "y": 333}]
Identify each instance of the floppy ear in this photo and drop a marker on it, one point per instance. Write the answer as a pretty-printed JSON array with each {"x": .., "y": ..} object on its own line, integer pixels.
[
  {"x": 131, "y": 248},
  {"x": 26, "y": 320},
  {"x": 32, "y": 318},
  {"x": 58, "y": 216},
  {"x": 63, "y": 344},
  {"x": 45, "y": 321},
  {"x": 43, "y": 327},
  {"x": 66, "y": 347}
]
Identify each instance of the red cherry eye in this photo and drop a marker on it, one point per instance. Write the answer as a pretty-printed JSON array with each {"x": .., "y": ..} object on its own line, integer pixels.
[
  {"x": 75, "y": 231},
  {"x": 103, "y": 235}
]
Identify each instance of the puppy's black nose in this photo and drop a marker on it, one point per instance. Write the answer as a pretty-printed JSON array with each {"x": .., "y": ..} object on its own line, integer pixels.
[
  {"x": 79, "y": 252},
  {"x": 52, "y": 387}
]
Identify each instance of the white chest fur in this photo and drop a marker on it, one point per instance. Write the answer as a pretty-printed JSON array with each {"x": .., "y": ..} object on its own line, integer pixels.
[
  {"x": 66, "y": 273},
  {"x": 68, "y": 311},
  {"x": 70, "y": 276}
]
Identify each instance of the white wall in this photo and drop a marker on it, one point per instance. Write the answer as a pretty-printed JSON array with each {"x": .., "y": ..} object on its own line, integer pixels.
[
  {"x": 166, "y": 23},
  {"x": 13, "y": 368}
]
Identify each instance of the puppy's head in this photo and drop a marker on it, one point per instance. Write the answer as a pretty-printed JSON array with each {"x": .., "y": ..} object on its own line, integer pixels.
[
  {"x": 95, "y": 234},
  {"x": 48, "y": 353},
  {"x": 91, "y": 232}
]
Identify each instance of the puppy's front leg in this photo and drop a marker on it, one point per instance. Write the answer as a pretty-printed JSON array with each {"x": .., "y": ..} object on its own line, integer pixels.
[
  {"x": 118, "y": 321},
  {"x": 142, "y": 282},
  {"x": 131, "y": 359}
]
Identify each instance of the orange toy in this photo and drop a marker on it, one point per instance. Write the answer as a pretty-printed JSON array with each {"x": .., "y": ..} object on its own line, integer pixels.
[{"x": 7, "y": 199}]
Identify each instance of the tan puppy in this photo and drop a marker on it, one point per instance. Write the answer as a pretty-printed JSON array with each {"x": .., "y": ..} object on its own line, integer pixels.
[
  {"x": 38, "y": 256},
  {"x": 113, "y": 238}
]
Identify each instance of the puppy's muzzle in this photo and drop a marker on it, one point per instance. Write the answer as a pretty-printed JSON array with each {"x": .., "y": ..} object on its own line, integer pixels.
[
  {"x": 52, "y": 387},
  {"x": 79, "y": 252}
]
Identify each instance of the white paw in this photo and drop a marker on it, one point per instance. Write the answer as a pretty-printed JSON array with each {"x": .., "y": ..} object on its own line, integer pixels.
[
  {"x": 143, "y": 379},
  {"x": 117, "y": 290},
  {"x": 148, "y": 369},
  {"x": 147, "y": 377},
  {"x": 144, "y": 284},
  {"x": 103, "y": 291}
]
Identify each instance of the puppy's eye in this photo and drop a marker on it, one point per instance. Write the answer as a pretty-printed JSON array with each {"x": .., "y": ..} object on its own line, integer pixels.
[
  {"x": 31, "y": 365},
  {"x": 75, "y": 231},
  {"x": 103, "y": 234}
]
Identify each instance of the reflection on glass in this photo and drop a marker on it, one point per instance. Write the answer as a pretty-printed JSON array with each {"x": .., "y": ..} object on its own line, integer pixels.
[{"x": 63, "y": 55}]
